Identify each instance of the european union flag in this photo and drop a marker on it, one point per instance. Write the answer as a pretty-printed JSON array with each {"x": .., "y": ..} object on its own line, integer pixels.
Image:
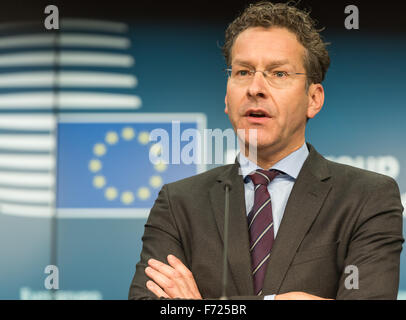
[{"x": 104, "y": 167}]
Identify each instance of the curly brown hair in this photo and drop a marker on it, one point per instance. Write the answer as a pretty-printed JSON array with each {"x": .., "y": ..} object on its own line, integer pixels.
[{"x": 266, "y": 14}]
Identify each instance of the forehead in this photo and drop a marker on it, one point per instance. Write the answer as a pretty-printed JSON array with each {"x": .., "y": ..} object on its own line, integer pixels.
[{"x": 260, "y": 45}]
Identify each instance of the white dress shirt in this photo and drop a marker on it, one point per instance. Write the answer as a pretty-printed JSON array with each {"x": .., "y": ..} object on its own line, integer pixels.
[{"x": 279, "y": 188}]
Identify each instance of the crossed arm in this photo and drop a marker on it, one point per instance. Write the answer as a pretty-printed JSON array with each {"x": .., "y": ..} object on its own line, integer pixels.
[{"x": 175, "y": 280}]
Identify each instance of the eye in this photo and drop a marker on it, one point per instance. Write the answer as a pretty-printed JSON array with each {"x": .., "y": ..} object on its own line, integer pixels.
[
  {"x": 242, "y": 73},
  {"x": 280, "y": 74}
]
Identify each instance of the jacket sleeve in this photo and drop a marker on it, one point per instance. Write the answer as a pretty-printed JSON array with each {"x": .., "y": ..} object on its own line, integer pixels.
[
  {"x": 161, "y": 238},
  {"x": 375, "y": 246}
]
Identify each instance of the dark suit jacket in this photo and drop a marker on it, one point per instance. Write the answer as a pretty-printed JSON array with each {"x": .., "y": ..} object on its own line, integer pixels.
[{"x": 336, "y": 216}]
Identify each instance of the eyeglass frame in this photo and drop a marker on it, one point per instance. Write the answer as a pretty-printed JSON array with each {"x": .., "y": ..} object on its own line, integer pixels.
[{"x": 253, "y": 71}]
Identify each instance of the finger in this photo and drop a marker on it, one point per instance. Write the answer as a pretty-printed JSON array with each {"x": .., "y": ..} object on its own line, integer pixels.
[
  {"x": 187, "y": 274},
  {"x": 164, "y": 282},
  {"x": 161, "y": 267},
  {"x": 178, "y": 265},
  {"x": 171, "y": 274},
  {"x": 155, "y": 289}
]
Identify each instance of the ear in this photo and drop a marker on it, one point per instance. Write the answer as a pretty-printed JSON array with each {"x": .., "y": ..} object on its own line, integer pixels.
[
  {"x": 225, "y": 102},
  {"x": 315, "y": 98}
]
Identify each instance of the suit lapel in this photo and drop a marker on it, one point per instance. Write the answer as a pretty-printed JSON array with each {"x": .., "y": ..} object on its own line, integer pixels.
[
  {"x": 307, "y": 196},
  {"x": 239, "y": 258},
  {"x": 304, "y": 203}
]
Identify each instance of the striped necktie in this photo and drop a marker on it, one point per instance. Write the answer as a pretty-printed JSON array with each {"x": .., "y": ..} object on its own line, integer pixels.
[{"x": 260, "y": 226}]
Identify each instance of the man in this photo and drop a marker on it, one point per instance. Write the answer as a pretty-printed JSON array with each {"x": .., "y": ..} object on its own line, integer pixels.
[{"x": 300, "y": 225}]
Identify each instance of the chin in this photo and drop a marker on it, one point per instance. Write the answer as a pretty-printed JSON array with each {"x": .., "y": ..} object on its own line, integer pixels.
[
  {"x": 262, "y": 145},
  {"x": 265, "y": 139}
]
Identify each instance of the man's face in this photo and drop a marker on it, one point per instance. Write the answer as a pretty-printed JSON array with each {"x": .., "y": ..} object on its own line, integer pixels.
[{"x": 284, "y": 108}]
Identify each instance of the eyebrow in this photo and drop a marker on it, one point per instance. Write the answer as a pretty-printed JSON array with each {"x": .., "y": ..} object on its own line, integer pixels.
[{"x": 273, "y": 64}]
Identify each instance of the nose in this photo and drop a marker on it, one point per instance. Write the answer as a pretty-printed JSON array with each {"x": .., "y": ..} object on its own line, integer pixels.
[{"x": 258, "y": 86}]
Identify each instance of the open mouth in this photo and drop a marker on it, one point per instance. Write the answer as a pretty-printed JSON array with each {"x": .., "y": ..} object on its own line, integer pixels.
[{"x": 257, "y": 114}]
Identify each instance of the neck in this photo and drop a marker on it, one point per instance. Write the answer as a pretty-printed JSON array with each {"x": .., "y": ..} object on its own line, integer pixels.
[{"x": 266, "y": 158}]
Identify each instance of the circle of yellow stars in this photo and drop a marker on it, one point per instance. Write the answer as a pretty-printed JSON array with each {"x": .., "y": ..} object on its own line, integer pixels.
[{"x": 99, "y": 180}]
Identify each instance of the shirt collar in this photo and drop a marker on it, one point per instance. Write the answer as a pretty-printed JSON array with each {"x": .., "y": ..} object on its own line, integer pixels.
[{"x": 290, "y": 165}]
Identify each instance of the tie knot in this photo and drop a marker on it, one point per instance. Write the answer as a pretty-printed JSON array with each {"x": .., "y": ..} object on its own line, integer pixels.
[{"x": 263, "y": 177}]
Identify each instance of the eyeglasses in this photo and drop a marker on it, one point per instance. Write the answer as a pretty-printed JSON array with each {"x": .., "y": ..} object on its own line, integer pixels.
[{"x": 276, "y": 78}]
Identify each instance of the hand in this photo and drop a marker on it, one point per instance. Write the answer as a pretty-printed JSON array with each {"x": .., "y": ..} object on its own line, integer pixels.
[
  {"x": 171, "y": 281},
  {"x": 296, "y": 295}
]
